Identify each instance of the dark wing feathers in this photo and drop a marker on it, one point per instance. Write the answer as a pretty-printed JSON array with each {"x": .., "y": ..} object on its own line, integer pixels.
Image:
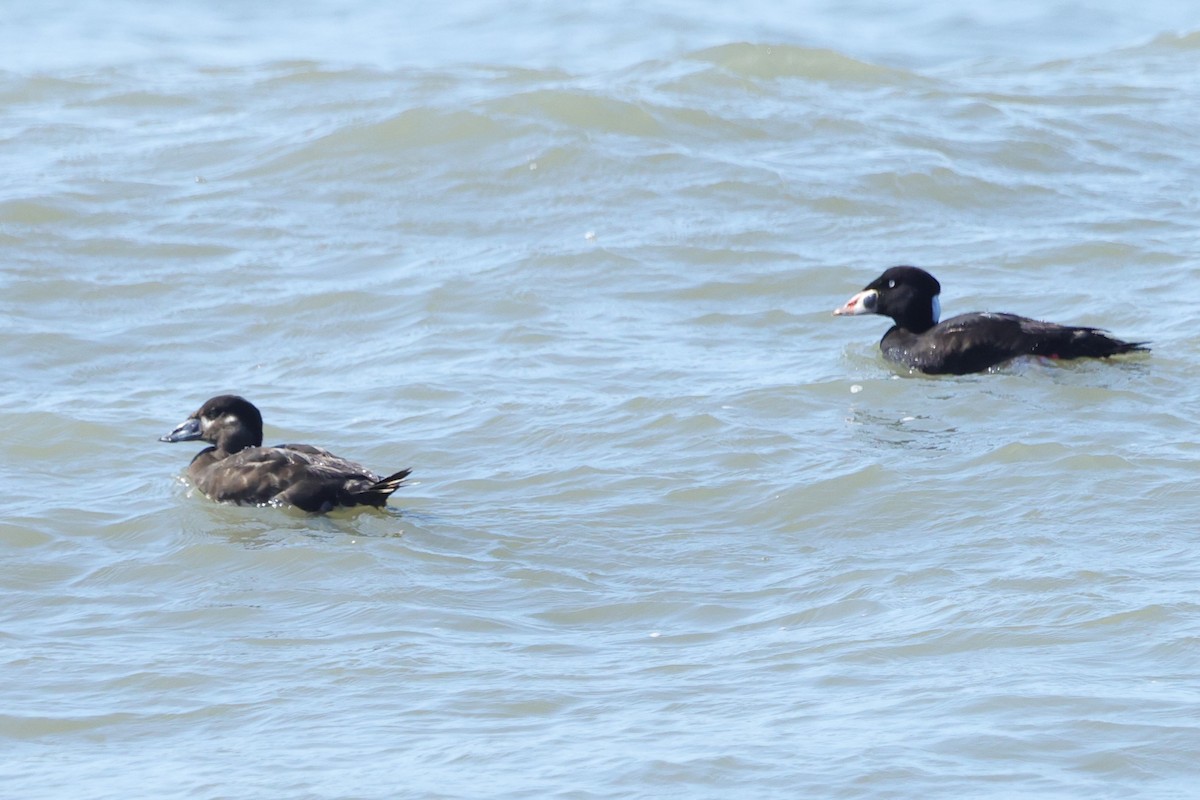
[
  {"x": 310, "y": 478},
  {"x": 975, "y": 342},
  {"x": 1049, "y": 339}
]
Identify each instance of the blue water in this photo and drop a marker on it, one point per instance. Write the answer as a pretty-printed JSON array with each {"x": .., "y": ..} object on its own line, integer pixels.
[
  {"x": 595, "y": 38},
  {"x": 675, "y": 530}
]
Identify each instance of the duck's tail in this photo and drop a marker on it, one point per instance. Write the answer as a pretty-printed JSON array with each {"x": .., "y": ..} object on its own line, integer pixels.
[
  {"x": 1069, "y": 341},
  {"x": 1096, "y": 343},
  {"x": 377, "y": 493}
]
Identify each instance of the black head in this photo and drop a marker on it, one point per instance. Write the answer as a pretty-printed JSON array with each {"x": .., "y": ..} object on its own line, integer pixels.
[
  {"x": 908, "y": 295},
  {"x": 230, "y": 422}
]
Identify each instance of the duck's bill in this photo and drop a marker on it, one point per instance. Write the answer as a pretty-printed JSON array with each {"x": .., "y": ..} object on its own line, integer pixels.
[
  {"x": 189, "y": 430},
  {"x": 862, "y": 303}
]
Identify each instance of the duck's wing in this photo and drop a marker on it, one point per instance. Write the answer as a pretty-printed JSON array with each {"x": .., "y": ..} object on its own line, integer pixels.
[
  {"x": 322, "y": 462},
  {"x": 310, "y": 478},
  {"x": 253, "y": 476},
  {"x": 981, "y": 340},
  {"x": 330, "y": 481}
]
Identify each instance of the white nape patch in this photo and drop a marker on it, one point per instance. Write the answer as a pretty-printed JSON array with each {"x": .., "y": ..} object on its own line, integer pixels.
[{"x": 937, "y": 309}]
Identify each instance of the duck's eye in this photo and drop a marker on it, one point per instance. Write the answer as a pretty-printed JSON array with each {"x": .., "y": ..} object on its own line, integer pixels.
[{"x": 891, "y": 284}]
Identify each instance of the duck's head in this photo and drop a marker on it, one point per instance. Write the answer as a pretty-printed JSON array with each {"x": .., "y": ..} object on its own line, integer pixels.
[
  {"x": 909, "y": 295},
  {"x": 230, "y": 422}
]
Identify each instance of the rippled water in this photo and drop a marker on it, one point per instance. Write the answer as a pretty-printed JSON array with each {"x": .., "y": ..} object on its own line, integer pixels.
[{"x": 675, "y": 530}]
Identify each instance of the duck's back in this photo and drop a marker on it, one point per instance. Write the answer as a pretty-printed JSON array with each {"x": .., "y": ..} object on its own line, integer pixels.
[
  {"x": 978, "y": 341},
  {"x": 310, "y": 478}
]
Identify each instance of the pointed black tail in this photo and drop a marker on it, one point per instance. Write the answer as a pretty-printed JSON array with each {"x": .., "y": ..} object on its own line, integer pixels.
[
  {"x": 378, "y": 492},
  {"x": 1094, "y": 343},
  {"x": 1077, "y": 342}
]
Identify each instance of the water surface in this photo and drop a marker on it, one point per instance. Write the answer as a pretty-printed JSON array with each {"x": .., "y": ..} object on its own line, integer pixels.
[{"x": 675, "y": 530}]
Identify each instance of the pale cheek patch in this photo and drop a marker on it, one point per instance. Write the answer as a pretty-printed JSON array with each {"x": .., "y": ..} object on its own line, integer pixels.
[{"x": 206, "y": 422}]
